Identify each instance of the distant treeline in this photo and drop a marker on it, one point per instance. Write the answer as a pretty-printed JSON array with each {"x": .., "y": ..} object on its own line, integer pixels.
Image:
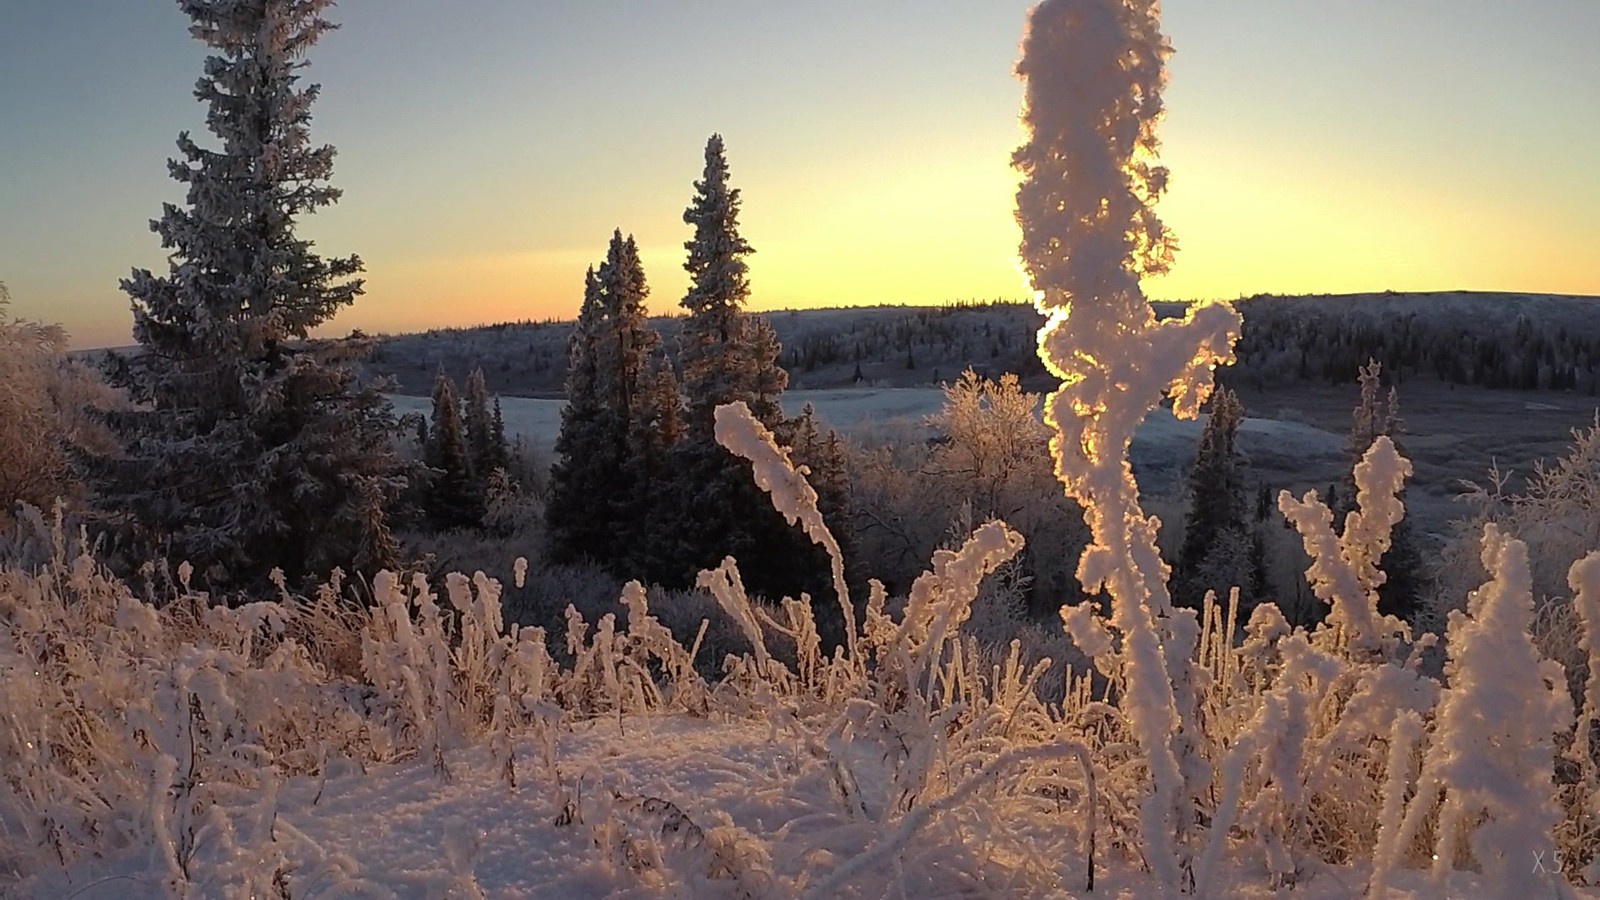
[{"x": 1507, "y": 341}]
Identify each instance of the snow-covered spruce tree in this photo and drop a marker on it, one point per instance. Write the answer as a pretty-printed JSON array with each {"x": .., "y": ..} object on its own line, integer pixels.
[
  {"x": 640, "y": 401},
  {"x": 1094, "y": 71},
  {"x": 453, "y": 498},
  {"x": 596, "y": 494},
  {"x": 1218, "y": 549},
  {"x": 1376, "y": 415},
  {"x": 252, "y": 446},
  {"x": 726, "y": 355},
  {"x": 486, "y": 446}
]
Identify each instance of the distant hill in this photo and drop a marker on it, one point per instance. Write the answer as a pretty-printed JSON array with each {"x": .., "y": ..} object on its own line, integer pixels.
[
  {"x": 886, "y": 346},
  {"x": 1498, "y": 340}
]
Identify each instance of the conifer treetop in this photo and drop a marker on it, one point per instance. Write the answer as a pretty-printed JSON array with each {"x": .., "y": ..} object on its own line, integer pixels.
[
  {"x": 719, "y": 276},
  {"x": 239, "y": 279}
]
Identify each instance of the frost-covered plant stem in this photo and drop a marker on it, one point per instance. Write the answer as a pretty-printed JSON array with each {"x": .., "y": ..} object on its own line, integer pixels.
[
  {"x": 1403, "y": 739},
  {"x": 1584, "y": 580},
  {"x": 1344, "y": 571},
  {"x": 1492, "y": 752},
  {"x": 913, "y": 822},
  {"x": 1094, "y": 71},
  {"x": 738, "y": 430}
]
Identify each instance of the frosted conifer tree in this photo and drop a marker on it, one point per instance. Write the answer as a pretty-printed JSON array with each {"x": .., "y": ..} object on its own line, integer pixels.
[
  {"x": 625, "y": 343},
  {"x": 497, "y": 435},
  {"x": 726, "y": 355},
  {"x": 253, "y": 446},
  {"x": 574, "y": 529},
  {"x": 655, "y": 425},
  {"x": 453, "y": 498},
  {"x": 482, "y": 451},
  {"x": 596, "y": 491},
  {"x": 1217, "y": 544}
]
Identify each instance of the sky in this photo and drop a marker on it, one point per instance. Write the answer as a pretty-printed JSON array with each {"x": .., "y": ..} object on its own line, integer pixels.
[{"x": 487, "y": 148}]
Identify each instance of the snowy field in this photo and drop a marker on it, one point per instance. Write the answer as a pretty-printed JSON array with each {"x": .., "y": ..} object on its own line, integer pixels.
[
  {"x": 1161, "y": 452},
  {"x": 401, "y": 831}
]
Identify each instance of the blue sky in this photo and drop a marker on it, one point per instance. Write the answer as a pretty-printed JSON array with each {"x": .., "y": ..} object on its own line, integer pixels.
[{"x": 488, "y": 147}]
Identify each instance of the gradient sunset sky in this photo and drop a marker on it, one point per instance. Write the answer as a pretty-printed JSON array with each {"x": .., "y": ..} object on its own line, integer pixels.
[{"x": 487, "y": 148}]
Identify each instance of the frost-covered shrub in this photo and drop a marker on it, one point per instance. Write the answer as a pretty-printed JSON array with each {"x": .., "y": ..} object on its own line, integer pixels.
[
  {"x": 1490, "y": 761},
  {"x": 983, "y": 455},
  {"x": 46, "y": 405},
  {"x": 1557, "y": 516}
]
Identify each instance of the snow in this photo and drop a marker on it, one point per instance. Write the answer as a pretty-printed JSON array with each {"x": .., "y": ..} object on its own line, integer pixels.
[
  {"x": 1163, "y": 446},
  {"x": 390, "y": 826}
]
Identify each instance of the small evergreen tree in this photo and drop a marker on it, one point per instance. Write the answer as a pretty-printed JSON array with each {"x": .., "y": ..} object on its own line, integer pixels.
[
  {"x": 1218, "y": 551},
  {"x": 453, "y": 498},
  {"x": 482, "y": 454},
  {"x": 1405, "y": 580},
  {"x": 497, "y": 438},
  {"x": 252, "y": 447}
]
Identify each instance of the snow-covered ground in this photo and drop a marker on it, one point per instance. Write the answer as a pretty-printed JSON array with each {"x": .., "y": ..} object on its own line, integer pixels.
[
  {"x": 1161, "y": 452},
  {"x": 404, "y": 831}
]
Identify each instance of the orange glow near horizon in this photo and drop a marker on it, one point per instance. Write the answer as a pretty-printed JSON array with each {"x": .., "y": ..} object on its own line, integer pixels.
[{"x": 925, "y": 237}]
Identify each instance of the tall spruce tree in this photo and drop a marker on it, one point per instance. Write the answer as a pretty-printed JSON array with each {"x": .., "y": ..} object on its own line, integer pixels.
[
  {"x": 479, "y": 424},
  {"x": 598, "y": 492},
  {"x": 725, "y": 355},
  {"x": 252, "y": 447},
  {"x": 1376, "y": 414},
  {"x": 573, "y": 526}
]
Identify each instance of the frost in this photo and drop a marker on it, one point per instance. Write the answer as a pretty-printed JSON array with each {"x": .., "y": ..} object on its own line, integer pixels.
[
  {"x": 1492, "y": 753},
  {"x": 1094, "y": 70},
  {"x": 740, "y": 432},
  {"x": 1344, "y": 571}
]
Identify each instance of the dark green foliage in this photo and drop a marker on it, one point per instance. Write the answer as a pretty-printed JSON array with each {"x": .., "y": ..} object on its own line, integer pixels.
[
  {"x": 726, "y": 355},
  {"x": 1219, "y": 548},
  {"x": 602, "y": 495},
  {"x": 485, "y": 452},
  {"x": 654, "y": 427},
  {"x": 453, "y": 499},
  {"x": 497, "y": 438}
]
